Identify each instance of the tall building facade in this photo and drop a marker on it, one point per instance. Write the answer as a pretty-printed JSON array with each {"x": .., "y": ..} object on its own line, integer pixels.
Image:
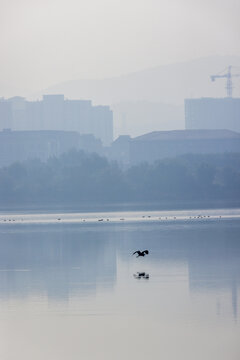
[
  {"x": 213, "y": 113},
  {"x": 54, "y": 112}
]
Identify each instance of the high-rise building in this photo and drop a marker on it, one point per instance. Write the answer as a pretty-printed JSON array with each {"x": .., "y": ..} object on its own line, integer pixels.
[
  {"x": 54, "y": 112},
  {"x": 213, "y": 113}
]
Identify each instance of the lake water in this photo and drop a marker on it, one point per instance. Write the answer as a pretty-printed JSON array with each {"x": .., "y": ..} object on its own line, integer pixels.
[{"x": 70, "y": 287}]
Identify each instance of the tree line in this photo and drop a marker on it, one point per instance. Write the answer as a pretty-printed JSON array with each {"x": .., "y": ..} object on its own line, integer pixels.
[{"x": 82, "y": 177}]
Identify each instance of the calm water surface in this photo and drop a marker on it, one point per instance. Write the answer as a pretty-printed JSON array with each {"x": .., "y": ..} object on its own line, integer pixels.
[{"x": 69, "y": 288}]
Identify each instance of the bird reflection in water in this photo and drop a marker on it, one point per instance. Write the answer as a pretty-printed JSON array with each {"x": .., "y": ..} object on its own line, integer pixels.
[{"x": 141, "y": 275}]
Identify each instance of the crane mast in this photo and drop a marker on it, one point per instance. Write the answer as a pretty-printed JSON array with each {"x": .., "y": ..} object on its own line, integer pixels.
[{"x": 228, "y": 75}]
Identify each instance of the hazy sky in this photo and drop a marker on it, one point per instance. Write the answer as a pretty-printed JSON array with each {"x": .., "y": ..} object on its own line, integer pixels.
[{"x": 50, "y": 41}]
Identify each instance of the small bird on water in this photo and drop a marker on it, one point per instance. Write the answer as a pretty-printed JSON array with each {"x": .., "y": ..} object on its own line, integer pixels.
[{"x": 141, "y": 253}]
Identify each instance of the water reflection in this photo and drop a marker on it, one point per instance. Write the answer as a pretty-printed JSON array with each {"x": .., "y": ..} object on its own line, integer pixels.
[
  {"x": 73, "y": 261},
  {"x": 56, "y": 263},
  {"x": 141, "y": 275},
  {"x": 68, "y": 291}
]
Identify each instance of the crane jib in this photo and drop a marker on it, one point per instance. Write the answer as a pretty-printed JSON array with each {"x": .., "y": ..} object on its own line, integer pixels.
[{"x": 228, "y": 75}]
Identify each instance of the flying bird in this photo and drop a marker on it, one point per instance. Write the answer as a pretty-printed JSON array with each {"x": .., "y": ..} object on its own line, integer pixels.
[{"x": 141, "y": 253}]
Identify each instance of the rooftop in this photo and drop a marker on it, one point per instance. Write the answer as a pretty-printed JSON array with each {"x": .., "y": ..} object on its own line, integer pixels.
[{"x": 188, "y": 135}]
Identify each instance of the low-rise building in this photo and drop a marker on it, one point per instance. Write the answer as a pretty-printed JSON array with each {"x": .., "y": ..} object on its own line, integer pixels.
[
  {"x": 25, "y": 145},
  {"x": 163, "y": 144}
]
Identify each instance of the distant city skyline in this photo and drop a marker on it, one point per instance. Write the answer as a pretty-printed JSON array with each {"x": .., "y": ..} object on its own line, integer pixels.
[{"x": 54, "y": 112}]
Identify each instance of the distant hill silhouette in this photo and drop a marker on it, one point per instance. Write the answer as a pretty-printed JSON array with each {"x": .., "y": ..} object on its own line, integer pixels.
[
  {"x": 168, "y": 84},
  {"x": 131, "y": 95}
]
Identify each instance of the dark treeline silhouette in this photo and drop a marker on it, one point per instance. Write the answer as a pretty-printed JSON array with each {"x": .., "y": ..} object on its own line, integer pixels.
[{"x": 80, "y": 177}]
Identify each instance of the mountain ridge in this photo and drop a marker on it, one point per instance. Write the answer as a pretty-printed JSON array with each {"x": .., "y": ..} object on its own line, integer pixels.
[
  {"x": 157, "y": 84},
  {"x": 152, "y": 99}
]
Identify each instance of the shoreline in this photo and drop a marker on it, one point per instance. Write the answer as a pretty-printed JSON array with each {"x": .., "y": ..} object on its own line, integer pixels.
[
  {"x": 114, "y": 207},
  {"x": 120, "y": 217}
]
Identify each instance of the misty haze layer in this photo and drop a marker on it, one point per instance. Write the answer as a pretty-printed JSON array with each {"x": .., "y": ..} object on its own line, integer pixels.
[
  {"x": 50, "y": 41},
  {"x": 153, "y": 99},
  {"x": 77, "y": 177}
]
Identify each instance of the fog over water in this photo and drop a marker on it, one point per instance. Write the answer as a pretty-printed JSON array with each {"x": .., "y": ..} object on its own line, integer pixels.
[{"x": 73, "y": 290}]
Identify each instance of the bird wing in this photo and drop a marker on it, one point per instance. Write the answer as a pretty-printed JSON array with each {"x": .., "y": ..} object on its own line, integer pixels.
[
  {"x": 146, "y": 251},
  {"x": 136, "y": 252}
]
